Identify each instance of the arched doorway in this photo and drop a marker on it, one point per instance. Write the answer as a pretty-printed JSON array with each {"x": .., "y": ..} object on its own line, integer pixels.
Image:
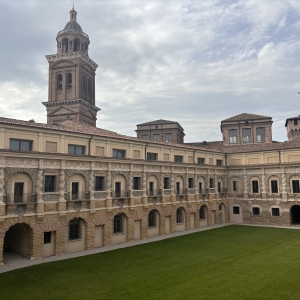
[
  {"x": 16, "y": 243},
  {"x": 295, "y": 214}
]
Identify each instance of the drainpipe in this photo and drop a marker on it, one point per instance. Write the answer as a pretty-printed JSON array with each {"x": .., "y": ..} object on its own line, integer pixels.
[
  {"x": 90, "y": 144},
  {"x": 279, "y": 157},
  {"x": 146, "y": 151}
]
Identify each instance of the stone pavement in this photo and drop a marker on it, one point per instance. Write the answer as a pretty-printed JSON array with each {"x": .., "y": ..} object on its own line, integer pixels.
[{"x": 14, "y": 261}]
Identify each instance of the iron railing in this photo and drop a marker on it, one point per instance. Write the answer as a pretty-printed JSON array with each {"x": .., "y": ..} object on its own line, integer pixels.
[
  {"x": 20, "y": 198},
  {"x": 80, "y": 196},
  {"x": 120, "y": 194},
  {"x": 154, "y": 193}
]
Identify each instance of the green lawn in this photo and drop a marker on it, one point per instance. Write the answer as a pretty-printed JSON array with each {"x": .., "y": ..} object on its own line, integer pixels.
[{"x": 233, "y": 262}]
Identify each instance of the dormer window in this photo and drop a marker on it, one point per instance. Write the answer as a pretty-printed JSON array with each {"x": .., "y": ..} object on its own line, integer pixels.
[
  {"x": 246, "y": 135},
  {"x": 232, "y": 136},
  {"x": 260, "y": 135}
]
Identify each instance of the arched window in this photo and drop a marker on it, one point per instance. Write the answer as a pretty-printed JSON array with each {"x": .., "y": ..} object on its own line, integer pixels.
[
  {"x": 59, "y": 82},
  {"x": 152, "y": 218},
  {"x": 119, "y": 223},
  {"x": 202, "y": 212},
  {"x": 69, "y": 81},
  {"x": 65, "y": 45},
  {"x": 75, "y": 231},
  {"x": 179, "y": 216},
  {"x": 76, "y": 45},
  {"x": 83, "y": 84}
]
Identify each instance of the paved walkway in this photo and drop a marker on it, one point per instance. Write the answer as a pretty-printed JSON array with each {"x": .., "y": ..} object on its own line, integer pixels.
[{"x": 14, "y": 261}]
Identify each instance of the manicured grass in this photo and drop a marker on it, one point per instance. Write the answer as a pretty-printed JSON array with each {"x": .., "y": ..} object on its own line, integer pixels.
[{"x": 234, "y": 262}]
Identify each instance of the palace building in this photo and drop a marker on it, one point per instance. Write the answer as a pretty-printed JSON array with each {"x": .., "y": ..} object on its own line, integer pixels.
[{"x": 67, "y": 185}]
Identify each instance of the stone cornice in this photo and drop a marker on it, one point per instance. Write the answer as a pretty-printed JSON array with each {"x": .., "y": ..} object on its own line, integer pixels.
[{"x": 73, "y": 101}]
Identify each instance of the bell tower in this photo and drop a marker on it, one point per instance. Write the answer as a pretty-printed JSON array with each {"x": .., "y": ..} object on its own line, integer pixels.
[{"x": 71, "y": 77}]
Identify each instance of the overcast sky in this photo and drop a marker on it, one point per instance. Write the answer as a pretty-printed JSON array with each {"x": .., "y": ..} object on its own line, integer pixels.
[{"x": 194, "y": 62}]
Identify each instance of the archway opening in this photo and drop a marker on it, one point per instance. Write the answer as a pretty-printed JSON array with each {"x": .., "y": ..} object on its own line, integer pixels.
[
  {"x": 15, "y": 245},
  {"x": 295, "y": 214}
]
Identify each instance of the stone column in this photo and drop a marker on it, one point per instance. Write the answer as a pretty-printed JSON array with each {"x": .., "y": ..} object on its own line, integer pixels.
[
  {"x": 60, "y": 236},
  {"x": 245, "y": 189},
  {"x": 130, "y": 230},
  {"x": 92, "y": 189},
  {"x": 107, "y": 234},
  {"x": 61, "y": 193},
  {"x": 35, "y": 245},
  {"x": 2, "y": 204},
  {"x": 1, "y": 250},
  {"x": 263, "y": 184},
  {"x": 108, "y": 187},
  {"x": 144, "y": 184},
  {"x": 196, "y": 197},
  {"x": 39, "y": 192},
  {"x": 284, "y": 191},
  {"x": 216, "y": 187},
  {"x": 173, "y": 197},
  {"x": 130, "y": 186},
  {"x": 161, "y": 186}
]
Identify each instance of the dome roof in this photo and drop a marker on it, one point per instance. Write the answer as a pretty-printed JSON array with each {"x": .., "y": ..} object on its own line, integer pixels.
[{"x": 73, "y": 26}]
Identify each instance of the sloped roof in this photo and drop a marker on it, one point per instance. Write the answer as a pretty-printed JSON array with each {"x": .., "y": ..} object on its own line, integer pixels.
[
  {"x": 74, "y": 127},
  {"x": 245, "y": 117},
  {"x": 159, "y": 122}
]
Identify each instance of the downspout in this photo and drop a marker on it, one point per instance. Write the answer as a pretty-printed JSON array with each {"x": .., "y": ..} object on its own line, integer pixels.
[
  {"x": 90, "y": 144},
  {"x": 146, "y": 151},
  {"x": 279, "y": 157}
]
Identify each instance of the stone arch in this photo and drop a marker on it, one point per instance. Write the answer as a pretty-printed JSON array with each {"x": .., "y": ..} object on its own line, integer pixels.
[
  {"x": 255, "y": 209},
  {"x": 9, "y": 172},
  {"x": 238, "y": 186},
  {"x": 18, "y": 238},
  {"x": 203, "y": 215},
  {"x": 152, "y": 184},
  {"x": 179, "y": 183},
  {"x": 76, "y": 233},
  {"x": 153, "y": 222},
  {"x": 119, "y": 228}
]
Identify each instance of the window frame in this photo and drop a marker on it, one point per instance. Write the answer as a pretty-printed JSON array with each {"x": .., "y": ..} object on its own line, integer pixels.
[
  {"x": 179, "y": 216},
  {"x": 20, "y": 142},
  {"x": 201, "y": 161},
  {"x": 275, "y": 212},
  {"x": 219, "y": 162},
  {"x": 118, "y": 224},
  {"x": 47, "y": 186},
  {"x": 166, "y": 183},
  {"x": 232, "y": 138},
  {"x": 178, "y": 158},
  {"x": 136, "y": 183},
  {"x": 167, "y": 137},
  {"x": 236, "y": 210},
  {"x": 274, "y": 187},
  {"x": 256, "y": 211},
  {"x": 152, "y": 156},
  {"x": 76, "y": 226},
  {"x": 255, "y": 186},
  {"x": 202, "y": 212},
  {"x": 191, "y": 182},
  {"x": 262, "y": 138},
  {"x": 119, "y": 153},
  {"x": 246, "y": 141},
  {"x": 152, "y": 216},
  {"x": 99, "y": 183},
  {"x": 47, "y": 237},
  {"x": 156, "y": 137},
  {"x": 76, "y": 147},
  {"x": 145, "y": 136}
]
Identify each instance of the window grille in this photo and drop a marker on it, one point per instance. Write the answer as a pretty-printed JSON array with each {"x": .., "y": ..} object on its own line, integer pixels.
[
  {"x": 202, "y": 212},
  {"x": 118, "y": 224},
  {"x": 75, "y": 230},
  {"x": 152, "y": 219}
]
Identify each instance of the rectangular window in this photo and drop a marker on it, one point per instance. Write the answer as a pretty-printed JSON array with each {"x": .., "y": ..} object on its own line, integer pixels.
[
  {"x": 295, "y": 185},
  {"x": 255, "y": 211},
  {"x": 236, "y": 210},
  {"x": 254, "y": 186},
  {"x": 191, "y": 183},
  {"x": 178, "y": 158},
  {"x": 118, "y": 153},
  {"x": 168, "y": 137},
  {"x": 20, "y": 145},
  {"x": 219, "y": 162},
  {"x": 295, "y": 122},
  {"x": 246, "y": 135},
  {"x": 275, "y": 212},
  {"x": 49, "y": 183},
  {"x": 232, "y": 136},
  {"x": 74, "y": 230},
  {"x": 166, "y": 183},
  {"x": 47, "y": 237},
  {"x": 156, "y": 137},
  {"x": 137, "y": 183},
  {"x": 99, "y": 183},
  {"x": 75, "y": 149},
  {"x": 151, "y": 156},
  {"x": 145, "y": 137},
  {"x": 118, "y": 224},
  {"x": 260, "y": 135},
  {"x": 179, "y": 216},
  {"x": 234, "y": 186},
  {"x": 274, "y": 186},
  {"x": 211, "y": 183},
  {"x": 201, "y": 161},
  {"x": 152, "y": 219}
]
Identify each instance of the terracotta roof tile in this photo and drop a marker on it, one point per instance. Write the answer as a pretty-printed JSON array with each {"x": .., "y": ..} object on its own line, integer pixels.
[{"x": 245, "y": 117}]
